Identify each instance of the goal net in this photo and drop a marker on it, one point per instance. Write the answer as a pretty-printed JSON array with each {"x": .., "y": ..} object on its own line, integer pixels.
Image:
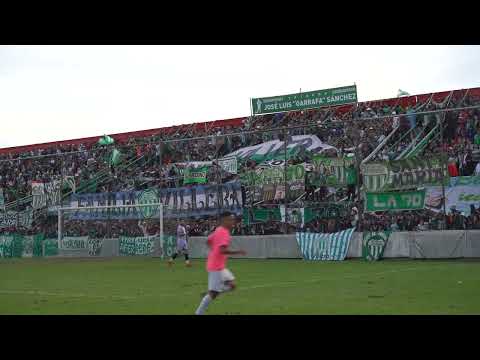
[{"x": 115, "y": 230}]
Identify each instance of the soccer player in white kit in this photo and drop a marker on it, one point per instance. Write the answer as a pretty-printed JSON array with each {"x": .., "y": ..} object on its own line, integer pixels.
[{"x": 182, "y": 245}]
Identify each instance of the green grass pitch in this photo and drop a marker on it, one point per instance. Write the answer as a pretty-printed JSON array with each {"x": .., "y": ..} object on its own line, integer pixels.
[{"x": 147, "y": 286}]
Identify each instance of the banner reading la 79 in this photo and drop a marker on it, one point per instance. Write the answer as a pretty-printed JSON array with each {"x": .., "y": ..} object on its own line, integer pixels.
[{"x": 395, "y": 201}]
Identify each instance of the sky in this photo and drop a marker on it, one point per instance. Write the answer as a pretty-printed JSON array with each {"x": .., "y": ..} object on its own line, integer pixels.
[{"x": 50, "y": 93}]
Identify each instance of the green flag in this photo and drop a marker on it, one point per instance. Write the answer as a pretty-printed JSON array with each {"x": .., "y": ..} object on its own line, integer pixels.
[
  {"x": 116, "y": 157},
  {"x": 351, "y": 175},
  {"x": 477, "y": 139},
  {"x": 402, "y": 93},
  {"x": 106, "y": 140}
]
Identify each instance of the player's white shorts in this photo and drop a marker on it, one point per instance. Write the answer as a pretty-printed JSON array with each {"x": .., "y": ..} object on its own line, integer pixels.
[
  {"x": 182, "y": 246},
  {"x": 216, "y": 280}
]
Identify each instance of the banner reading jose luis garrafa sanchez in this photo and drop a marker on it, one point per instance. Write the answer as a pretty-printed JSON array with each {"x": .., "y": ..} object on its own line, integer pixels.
[{"x": 306, "y": 100}]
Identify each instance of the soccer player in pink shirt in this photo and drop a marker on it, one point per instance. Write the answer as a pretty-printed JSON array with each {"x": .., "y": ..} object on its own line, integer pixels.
[{"x": 220, "y": 279}]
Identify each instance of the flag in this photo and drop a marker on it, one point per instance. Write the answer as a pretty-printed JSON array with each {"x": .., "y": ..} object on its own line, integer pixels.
[
  {"x": 106, "y": 140},
  {"x": 402, "y": 93},
  {"x": 115, "y": 158},
  {"x": 319, "y": 246}
]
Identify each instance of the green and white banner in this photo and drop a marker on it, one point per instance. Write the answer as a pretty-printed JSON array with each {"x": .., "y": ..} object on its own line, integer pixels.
[
  {"x": 395, "y": 201},
  {"x": 94, "y": 246},
  {"x": 143, "y": 245},
  {"x": 259, "y": 215},
  {"x": 229, "y": 164},
  {"x": 16, "y": 246},
  {"x": 404, "y": 174},
  {"x": 195, "y": 175},
  {"x": 305, "y": 100},
  {"x": 13, "y": 218},
  {"x": 294, "y": 216},
  {"x": 373, "y": 244},
  {"x": 169, "y": 246},
  {"x": 74, "y": 243},
  {"x": 46, "y": 194},
  {"x": 51, "y": 247},
  {"x": 330, "y": 247},
  {"x": 26, "y": 246},
  {"x": 275, "y": 149},
  {"x": 269, "y": 183},
  {"x": 333, "y": 172}
]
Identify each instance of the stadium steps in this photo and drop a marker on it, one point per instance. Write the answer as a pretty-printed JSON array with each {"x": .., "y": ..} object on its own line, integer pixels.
[
  {"x": 381, "y": 145},
  {"x": 416, "y": 140},
  {"x": 421, "y": 145}
]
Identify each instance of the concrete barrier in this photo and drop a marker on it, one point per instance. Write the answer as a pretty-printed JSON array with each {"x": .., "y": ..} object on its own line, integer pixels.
[
  {"x": 472, "y": 244},
  {"x": 415, "y": 245},
  {"x": 438, "y": 244}
]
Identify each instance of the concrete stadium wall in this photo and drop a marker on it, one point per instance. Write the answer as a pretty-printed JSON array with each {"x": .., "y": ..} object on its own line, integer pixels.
[
  {"x": 472, "y": 248},
  {"x": 415, "y": 245}
]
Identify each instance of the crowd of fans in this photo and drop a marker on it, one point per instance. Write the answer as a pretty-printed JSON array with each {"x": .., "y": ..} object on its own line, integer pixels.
[{"x": 153, "y": 161}]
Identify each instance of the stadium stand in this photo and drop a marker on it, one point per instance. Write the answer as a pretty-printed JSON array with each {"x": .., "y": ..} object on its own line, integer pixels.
[{"x": 391, "y": 129}]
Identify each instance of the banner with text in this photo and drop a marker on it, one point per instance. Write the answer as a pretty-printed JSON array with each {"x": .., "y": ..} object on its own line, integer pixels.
[
  {"x": 16, "y": 246},
  {"x": 143, "y": 245},
  {"x": 395, "y": 201},
  {"x": 21, "y": 219},
  {"x": 195, "y": 175},
  {"x": 305, "y": 100},
  {"x": 46, "y": 194},
  {"x": 229, "y": 164},
  {"x": 194, "y": 201},
  {"x": 74, "y": 243},
  {"x": 404, "y": 174},
  {"x": 267, "y": 184},
  {"x": 332, "y": 172}
]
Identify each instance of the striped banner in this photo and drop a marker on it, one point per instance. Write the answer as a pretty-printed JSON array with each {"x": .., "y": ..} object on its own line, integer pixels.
[{"x": 330, "y": 247}]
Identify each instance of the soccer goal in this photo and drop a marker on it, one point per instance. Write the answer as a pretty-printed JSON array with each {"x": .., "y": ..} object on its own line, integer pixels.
[{"x": 113, "y": 230}]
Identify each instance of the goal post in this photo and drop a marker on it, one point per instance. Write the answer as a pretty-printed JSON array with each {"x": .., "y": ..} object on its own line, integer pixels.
[{"x": 89, "y": 218}]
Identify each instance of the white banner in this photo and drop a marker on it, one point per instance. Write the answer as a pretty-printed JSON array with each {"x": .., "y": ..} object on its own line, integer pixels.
[
  {"x": 459, "y": 196},
  {"x": 75, "y": 242},
  {"x": 38, "y": 195},
  {"x": 9, "y": 219},
  {"x": 228, "y": 164},
  {"x": 44, "y": 194}
]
